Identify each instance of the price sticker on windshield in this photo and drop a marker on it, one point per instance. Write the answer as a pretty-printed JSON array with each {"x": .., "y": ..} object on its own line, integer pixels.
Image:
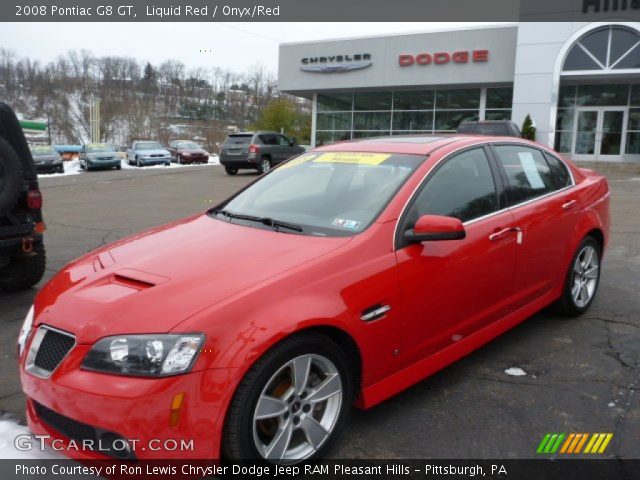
[
  {"x": 298, "y": 160},
  {"x": 356, "y": 158}
]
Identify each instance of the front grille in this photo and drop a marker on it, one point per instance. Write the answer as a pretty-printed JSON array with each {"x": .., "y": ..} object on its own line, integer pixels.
[
  {"x": 53, "y": 348},
  {"x": 67, "y": 426}
]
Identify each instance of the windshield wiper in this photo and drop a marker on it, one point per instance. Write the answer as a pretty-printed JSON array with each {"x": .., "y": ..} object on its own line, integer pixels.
[{"x": 275, "y": 224}]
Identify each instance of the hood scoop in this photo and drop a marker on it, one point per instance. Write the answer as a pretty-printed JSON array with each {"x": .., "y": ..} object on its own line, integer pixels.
[{"x": 120, "y": 284}]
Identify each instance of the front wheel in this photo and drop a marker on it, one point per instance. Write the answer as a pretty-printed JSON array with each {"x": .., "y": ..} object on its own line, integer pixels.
[
  {"x": 582, "y": 280},
  {"x": 291, "y": 404}
]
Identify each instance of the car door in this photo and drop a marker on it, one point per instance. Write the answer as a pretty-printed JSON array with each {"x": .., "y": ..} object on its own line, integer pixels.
[
  {"x": 545, "y": 209},
  {"x": 286, "y": 149},
  {"x": 452, "y": 288}
]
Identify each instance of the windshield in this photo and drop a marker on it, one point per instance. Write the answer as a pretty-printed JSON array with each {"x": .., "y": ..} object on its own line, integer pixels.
[
  {"x": 148, "y": 146},
  {"x": 187, "y": 145},
  {"x": 100, "y": 148},
  {"x": 43, "y": 150},
  {"x": 327, "y": 194}
]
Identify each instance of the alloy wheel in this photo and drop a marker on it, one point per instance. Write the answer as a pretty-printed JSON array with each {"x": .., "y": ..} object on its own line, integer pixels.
[
  {"x": 298, "y": 409},
  {"x": 585, "y": 276},
  {"x": 265, "y": 166}
]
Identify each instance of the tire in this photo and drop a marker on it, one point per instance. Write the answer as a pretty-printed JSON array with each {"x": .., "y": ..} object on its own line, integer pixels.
[
  {"x": 178, "y": 159},
  {"x": 11, "y": 176},
  {"x": 265, "y": 165},
  {"x": 119, "y": 167},
  {"x": 24, "y": 272},
  {"x": 138, "y": 163},
  {"x": 245, "y": 437},
  {"x": 230, "y": 171},
  {"x": 576, "y": 300}
]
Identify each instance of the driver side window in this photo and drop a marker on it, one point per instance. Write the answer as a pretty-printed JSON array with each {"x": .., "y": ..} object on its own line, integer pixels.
[{"x": 462, "y": 187}]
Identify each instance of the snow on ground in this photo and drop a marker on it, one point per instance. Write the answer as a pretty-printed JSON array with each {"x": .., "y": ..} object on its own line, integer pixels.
[
  {"x": 213, "y": 160},
  {"x": 515, "y": 372},
  {"x": 9, "y": 430},
  {"x": 71, "y": 167}
]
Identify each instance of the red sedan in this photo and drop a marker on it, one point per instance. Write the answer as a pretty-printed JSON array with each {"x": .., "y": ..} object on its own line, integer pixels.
[{"x": 343, "y": 276}]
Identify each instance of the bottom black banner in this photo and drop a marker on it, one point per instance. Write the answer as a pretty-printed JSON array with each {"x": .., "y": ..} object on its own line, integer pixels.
[{"x": 530, "y": 469}]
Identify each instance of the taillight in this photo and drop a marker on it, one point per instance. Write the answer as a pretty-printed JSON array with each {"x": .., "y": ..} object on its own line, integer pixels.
[
  {"x": 34, "y": 199},
  {"x": 254, "y": 148}
]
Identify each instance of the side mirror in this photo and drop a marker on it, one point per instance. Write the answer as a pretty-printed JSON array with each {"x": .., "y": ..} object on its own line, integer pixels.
[
  {"x": 434, "y": 228},
  {"x": 293, "y": 142}
]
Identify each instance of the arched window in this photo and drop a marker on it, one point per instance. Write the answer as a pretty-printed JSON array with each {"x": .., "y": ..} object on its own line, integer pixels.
[{"x": 609, "y": 48}]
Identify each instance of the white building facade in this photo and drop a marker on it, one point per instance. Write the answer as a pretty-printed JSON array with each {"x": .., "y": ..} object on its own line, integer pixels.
[{"x": 579, "y": 82}]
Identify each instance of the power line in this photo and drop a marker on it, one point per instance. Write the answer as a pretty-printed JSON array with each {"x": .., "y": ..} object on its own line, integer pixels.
[{"x": 248, "y": 32}]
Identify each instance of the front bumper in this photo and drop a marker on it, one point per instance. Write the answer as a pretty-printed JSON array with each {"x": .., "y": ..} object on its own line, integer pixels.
[
  {"x": 154, "y": 161},
  {"x": 49, "y": 168},
  {"x": 103, "y": 163},
  {"x": 133, "y": 408}
]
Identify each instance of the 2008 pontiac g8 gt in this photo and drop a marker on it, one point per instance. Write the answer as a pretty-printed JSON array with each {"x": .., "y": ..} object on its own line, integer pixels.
[{"x": 343, "y": 276}]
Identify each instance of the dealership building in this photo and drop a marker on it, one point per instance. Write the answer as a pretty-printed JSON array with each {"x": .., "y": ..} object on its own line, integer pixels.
[{"x": 579, "y": 82}]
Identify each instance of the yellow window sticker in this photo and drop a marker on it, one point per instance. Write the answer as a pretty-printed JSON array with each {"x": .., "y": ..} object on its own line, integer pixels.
[
  {"x": 357, "y": 158},
  {"x": 306, "y": 157}
]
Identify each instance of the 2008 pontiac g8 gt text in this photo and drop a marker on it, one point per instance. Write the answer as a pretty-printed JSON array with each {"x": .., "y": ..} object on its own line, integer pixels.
[{"x": 343, "y": 276}]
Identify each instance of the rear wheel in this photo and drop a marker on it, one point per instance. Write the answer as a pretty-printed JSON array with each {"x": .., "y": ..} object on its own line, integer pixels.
[
  {"x": 25, "y": 271},
  {"x": 583, "y": 278},
  {"x": 291, "y": 404},
  {"x": 265, "y": 165},
  {"x": 230, "y": 171}
]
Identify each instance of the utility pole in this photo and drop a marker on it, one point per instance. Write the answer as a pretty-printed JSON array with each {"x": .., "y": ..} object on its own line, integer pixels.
[
  {"x": 49, "y": 128},
  {"x": 94, "y": 120}
]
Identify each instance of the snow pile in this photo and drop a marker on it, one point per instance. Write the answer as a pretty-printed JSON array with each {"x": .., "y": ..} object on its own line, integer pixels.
[
  {"x": 515, "y": 372},
  {"x": 9, "y": 430}
]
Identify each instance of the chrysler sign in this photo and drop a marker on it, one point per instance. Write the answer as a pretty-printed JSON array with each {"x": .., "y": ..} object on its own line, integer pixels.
[
  {"x": 336, "y": 63},
  {"x": 442, "y": 58}
]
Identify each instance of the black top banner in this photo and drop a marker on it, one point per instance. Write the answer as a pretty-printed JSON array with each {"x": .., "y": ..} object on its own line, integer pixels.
[{"x": 318, "y": 11}]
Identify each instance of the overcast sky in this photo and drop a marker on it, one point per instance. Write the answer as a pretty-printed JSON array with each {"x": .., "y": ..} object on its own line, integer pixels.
[{"x": 234, "y": 46}]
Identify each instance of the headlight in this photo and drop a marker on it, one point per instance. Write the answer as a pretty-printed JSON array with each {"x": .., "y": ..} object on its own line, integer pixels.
[
  {"x": 144, "y": 355},
  {"x": 25, "y": 331}
]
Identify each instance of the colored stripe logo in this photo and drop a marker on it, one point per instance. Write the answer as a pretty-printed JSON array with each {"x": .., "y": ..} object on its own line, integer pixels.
[{"x": 574, "y": 443}]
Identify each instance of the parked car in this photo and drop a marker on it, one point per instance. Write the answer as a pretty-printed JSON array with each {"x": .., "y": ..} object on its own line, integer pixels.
[
  {"x": 344, "y": 275},
  {"x": 186, "y": 151},
  {"x": 22, "y": 252},
  {"x": 144, "y": 152},
  {"x": 99, "y": 155},
  {"x": 494, "y": 128},
  {"x": 46, "y": 159},
  {"x": 257, "y": 151}
]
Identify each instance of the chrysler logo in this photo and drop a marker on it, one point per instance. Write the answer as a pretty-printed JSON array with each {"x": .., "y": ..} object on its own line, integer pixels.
[{"x": 336, "y": 63}]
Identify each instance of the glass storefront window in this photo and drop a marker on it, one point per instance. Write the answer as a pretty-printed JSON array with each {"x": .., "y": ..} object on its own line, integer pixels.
[
  {"x": 333, "y": 121},
  {"x": 461, "y": 98},
  {"x": 325, "y": 138},
  {"x": 499, "y": 98},
  {"x": 413, "y": 121},
  {"x": 372, "y": 120},
  {"x": 609, "y": 95},
  {"x": 563, "y": 142},
  {"x": 335, "y": 102},
  {"x": 567, "y": 97},
  {"x": 564, "y": 119},
  {"x": 449, "y": 120},
  {"x": 370, "y": 133},
  {"x": 633, "y": 143},
  {"x": 372, "y": 101},
  {"x": 414, "y": 100},
  {"x": 634, "y": 98},
  {"x": 497, "y": 115}
]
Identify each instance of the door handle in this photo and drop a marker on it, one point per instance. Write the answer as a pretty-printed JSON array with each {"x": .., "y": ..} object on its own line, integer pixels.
[
  {"x": 374, "y": 312},
  {"x": 500, "y": 234},
  {"x": 570, "y": 204}
]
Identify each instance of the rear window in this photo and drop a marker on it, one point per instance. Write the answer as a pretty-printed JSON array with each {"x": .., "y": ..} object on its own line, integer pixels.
[{"x": 238, "y": 139}]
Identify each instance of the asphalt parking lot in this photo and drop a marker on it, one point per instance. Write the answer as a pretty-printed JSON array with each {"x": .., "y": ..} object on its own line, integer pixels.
[{"x": 582, "y": 375}]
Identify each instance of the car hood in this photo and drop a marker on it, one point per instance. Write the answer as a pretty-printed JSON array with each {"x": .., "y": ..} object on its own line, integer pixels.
[
  {"x": 192, "y": 150},
  {"x": 153, "y": 152},
  {"x": 102, "y": 155},
  {"x": 46, "y": 158},
  {"x": 151, "y": 282}
]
